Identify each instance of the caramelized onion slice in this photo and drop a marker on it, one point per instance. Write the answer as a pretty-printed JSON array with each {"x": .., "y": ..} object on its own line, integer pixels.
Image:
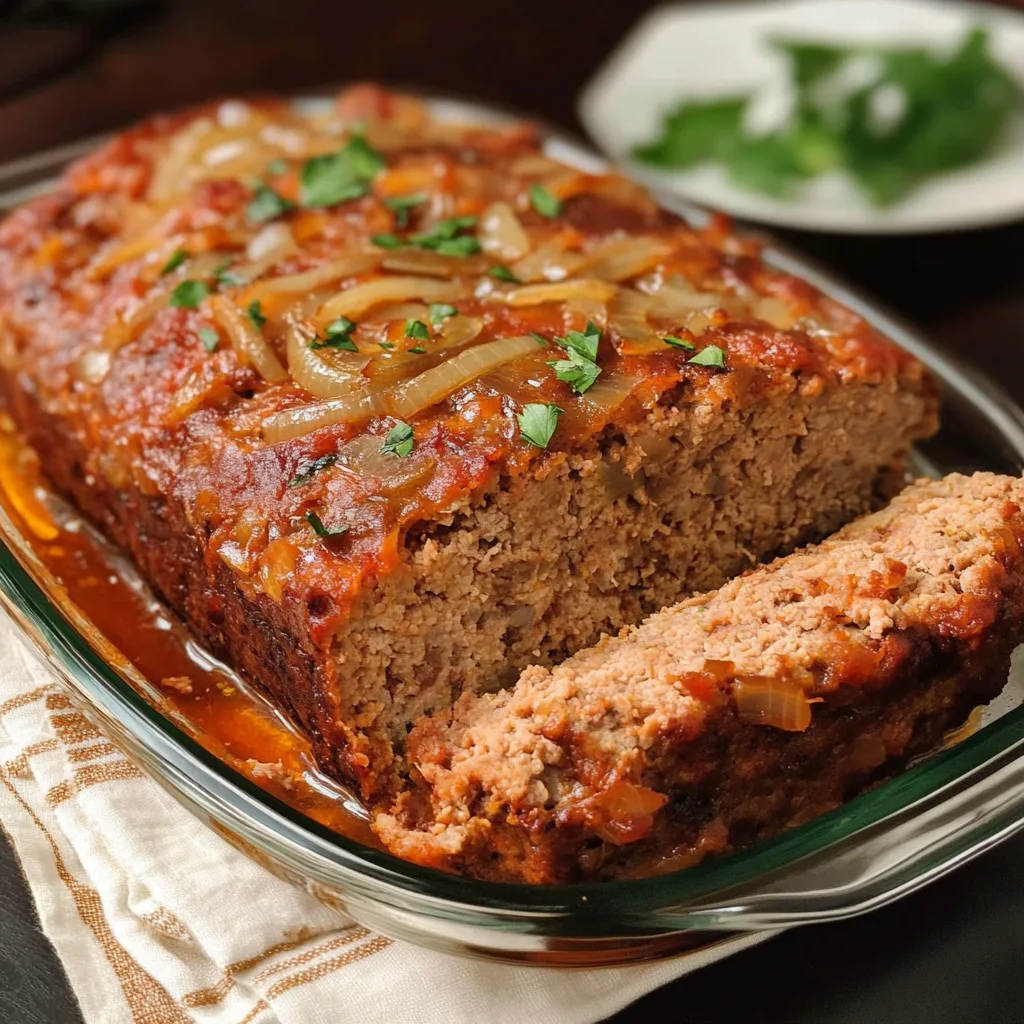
[
  {"x": 761, "y": 700},
  {"x": 247, "y": 341},
  {"x": 627, "y": 314},
  {"x": 425, "y": 261},
  {"x": 560, "y": 291},
  {"x": 362, "y": 456},
  {"x": 548, "y": 262},
  {"x": 318, "y": 277},
  {"x": 458, "y": 330},
  {"x": 623, "y": 258},
  {"x": 440, "y": 381},
  {"x": 304, "y": 419},
  {"x": 501, "y": 235},
  {"x": 355, "y": 301},
  {"x": 326, "y": 373},
  {"x": 674, "y": 303},
  {"x": 596, "y": 406}
]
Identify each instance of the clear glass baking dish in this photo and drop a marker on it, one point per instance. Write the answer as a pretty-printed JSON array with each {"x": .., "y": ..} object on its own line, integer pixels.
[{"x": 891, "y": 841}]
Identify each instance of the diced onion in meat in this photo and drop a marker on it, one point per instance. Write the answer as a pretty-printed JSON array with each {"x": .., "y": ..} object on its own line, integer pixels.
[
  {"x": 354, "y": 302},
  {"x": 764, "y": 701},
  {"x": 623, "y": 258},
  {"x": 318, "y": 277},
  {"x": 501, "y": 235},
  {"x": 326, "y": 373},
  {"x": 247, "y": 341},
  {"x": 562, "y": 291},
  {"x": 304, "y": 419},
  {"x": 425, "y": 261},
  {"x": 440, "y": 381}
]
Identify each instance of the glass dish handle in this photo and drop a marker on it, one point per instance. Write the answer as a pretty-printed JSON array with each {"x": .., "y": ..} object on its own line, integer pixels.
[{"x": 894, "y": 856}]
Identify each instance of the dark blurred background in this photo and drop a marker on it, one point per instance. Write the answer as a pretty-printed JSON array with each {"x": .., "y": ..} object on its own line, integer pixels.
[{"x": 70, "y": 69}]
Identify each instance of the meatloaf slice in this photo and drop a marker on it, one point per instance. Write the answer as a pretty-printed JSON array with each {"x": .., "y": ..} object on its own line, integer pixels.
[
  {"x": 737, "y": 713},
  {"x": 390, "y": 409}
]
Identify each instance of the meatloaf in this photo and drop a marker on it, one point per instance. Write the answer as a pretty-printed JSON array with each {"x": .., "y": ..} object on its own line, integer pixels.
[
  {"x": 737, "y": 713},
  {"x": 390, "y": 408}
]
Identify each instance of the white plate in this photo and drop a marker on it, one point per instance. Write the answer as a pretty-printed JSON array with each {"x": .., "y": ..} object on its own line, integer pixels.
[{"x": 699, "y": 51}]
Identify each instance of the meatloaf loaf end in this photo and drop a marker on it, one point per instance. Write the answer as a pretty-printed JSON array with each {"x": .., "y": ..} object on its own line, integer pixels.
[
  {"x": 390, "y": 409},
  {"x": 735, "y": 714}
]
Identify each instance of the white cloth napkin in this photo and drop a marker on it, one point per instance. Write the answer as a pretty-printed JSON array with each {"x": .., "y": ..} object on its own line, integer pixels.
[{"x": 157, "y": 920}]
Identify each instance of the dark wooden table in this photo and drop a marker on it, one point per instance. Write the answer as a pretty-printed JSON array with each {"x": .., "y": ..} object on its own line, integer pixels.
[{"x": 953, "y": 953}]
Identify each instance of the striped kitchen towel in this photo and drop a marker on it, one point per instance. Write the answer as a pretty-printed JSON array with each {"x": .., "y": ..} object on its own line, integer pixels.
[{"x": 157, "y": 920}]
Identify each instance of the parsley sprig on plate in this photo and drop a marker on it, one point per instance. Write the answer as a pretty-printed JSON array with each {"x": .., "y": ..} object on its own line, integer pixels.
[{"x": 919, "y": 113}]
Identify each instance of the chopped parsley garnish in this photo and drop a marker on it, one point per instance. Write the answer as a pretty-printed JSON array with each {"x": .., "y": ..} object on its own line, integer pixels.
[
  {"x": 546, "y": 204},
  {"x": 337, "y": 332},
  {"x": 278, "y": 166},
  {"x": 580, "y": 370},
  {"x": 464, "y": 245},
  {"x": 504, "y": 274},
  {"x": 342, "y": 325},
  {"x": 677, "y": 342},
  {"x": 445, "y": 240},
  {"x": 266, "y": 204},
  {"x": 585, "y": 343},
  {"x": 324, "y": 531},
  {"x": 537, "y": 423},
  {"x": 437, "y": 311},
  {"x": 223, "y": 277},
  {"x": 174, "y": 261},
  {"x": 209, "y": 337},
  {"x": 341, "y": 341},
  {"x": 442, "y": 230},
  {"x": 399, "y": 440},
  {"x": 403, "y": 204},
  {"x": 189, "y": 294},
  {"x": 712, "y": 355},
  {"x": 577, "y": 370},
  {"x": 311, "y": 469},
  {"x": 418, "y": 350},
  {"x": 255, "y": 314},
  {"x": 386, "y": 345},
  {"x": 417, "y": 329},
  {"x": 334, "y": 178}
]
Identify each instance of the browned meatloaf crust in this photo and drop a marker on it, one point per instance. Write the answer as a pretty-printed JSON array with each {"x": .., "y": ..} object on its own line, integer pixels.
[
  {"x": 737, "y": 713},
  {"x": 770, "y": 416}
]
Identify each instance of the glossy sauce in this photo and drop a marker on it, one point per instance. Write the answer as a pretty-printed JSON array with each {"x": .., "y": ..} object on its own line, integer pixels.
[{"x": 223, "y": 712}]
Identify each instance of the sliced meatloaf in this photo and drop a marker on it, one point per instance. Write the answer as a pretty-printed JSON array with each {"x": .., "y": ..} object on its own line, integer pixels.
[
  {"x": 389, "y": 409},
  {"x": 737, "y": 713}
]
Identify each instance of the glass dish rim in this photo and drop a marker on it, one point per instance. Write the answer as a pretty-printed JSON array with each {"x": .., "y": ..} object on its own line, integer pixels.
[{"x": 112, "y": 694}]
